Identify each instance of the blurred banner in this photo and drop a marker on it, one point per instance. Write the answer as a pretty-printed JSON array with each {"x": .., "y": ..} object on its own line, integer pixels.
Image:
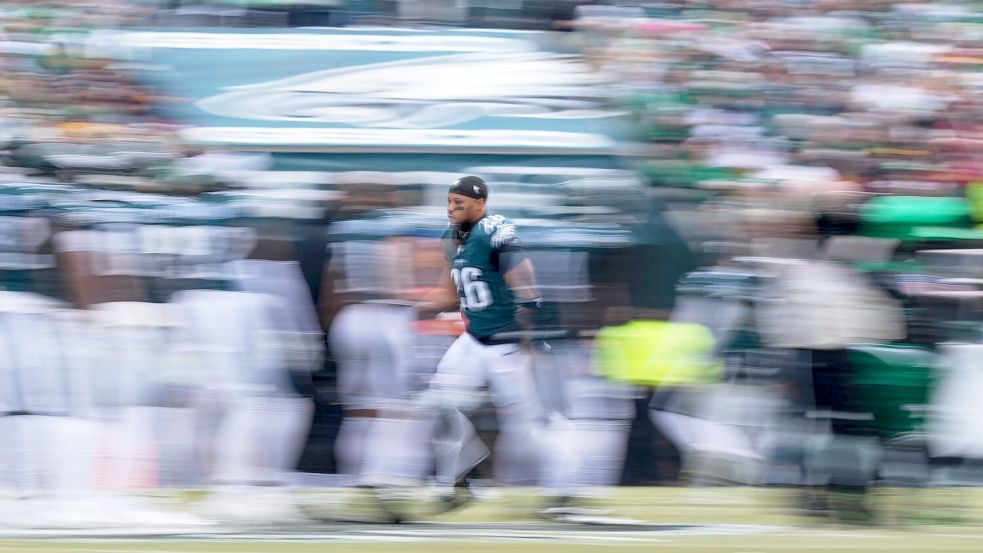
[{"x": 373, "y": 91}]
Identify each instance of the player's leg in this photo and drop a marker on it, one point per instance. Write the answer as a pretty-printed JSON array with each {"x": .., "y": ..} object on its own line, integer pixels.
[
  {"x": 132, "y": 338},
  {"x": 455, "y": 388},
  {"x": 560, "y": 456},
  {"x": 296, "y": 343},
  {"x": 238, "y": 346},
  {"x": 359, "y": 357},
  {"x": 351, "y": 353},
  {"x": 48, "y": 433},
  {"x": 602, "y": 412},
  {"x": 588, "y": 438},
  {"x": 60, "y": 440},
  {"x": 397, "y": 447},
  {"x": 372, "y": 343},
  {"x": 518, "y": 449}
]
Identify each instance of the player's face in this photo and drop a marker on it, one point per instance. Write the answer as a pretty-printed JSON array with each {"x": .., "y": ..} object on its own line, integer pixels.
[{"x": 462, "y": 209}]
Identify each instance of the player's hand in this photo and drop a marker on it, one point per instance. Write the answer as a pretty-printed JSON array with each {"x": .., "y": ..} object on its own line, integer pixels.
[
  {"x": 527, "y": 313},
  {"x": 526, "y": 317},
  {"x": 427, "y": 310}
]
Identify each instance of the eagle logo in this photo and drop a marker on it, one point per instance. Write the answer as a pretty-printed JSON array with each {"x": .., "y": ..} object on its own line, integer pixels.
[{"x": 403, "y": 94}]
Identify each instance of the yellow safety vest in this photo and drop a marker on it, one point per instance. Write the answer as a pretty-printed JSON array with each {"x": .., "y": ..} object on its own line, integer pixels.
[{"x": 658, "y": 353}]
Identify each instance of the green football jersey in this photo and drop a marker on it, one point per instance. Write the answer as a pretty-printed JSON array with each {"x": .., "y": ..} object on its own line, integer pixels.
[{"x": 486, "y": 300}]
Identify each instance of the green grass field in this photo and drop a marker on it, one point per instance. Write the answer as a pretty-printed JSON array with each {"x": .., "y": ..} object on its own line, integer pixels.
[{"x": 697, "y": 520}]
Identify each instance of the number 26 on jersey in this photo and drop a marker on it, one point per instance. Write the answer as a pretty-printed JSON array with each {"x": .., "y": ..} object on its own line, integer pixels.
[{"x": 474, "y": 293}]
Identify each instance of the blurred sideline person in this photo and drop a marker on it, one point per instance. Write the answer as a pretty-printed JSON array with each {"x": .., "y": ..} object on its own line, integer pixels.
[
  {"x": 244, "y": 334},
  {"x": 379, "y": 445},
  {"x": 494, "y": 285},
  {"x": 589, "y": 418}
]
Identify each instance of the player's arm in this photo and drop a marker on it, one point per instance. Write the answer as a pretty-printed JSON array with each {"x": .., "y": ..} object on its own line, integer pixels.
[
  {"x": 330, "y": 301},
  {"x": 443, "y": 298},
  {"x": 515, "y": 266},
  {"x": 520, "y": 276}
]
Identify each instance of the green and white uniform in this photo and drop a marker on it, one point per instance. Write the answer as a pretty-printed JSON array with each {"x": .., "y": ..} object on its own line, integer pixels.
[
  {"x": 475, "y": 262},
  {"x": 476, "y": 360}
]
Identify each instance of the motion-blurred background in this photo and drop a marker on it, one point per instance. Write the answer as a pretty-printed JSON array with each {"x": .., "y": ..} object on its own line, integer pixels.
[{"x": 755, "y": 227}]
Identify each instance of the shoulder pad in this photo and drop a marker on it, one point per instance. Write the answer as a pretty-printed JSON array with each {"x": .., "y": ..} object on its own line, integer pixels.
[{"x": 500, "y": 230}]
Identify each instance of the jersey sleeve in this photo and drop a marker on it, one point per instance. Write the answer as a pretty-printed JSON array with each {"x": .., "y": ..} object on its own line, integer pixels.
[
  {"x": 504, "y": 236},
  {"x": 506, "y": 249}
]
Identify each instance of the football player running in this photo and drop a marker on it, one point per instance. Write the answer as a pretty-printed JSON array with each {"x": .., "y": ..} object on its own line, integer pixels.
[{"x": 495, "y": 287}]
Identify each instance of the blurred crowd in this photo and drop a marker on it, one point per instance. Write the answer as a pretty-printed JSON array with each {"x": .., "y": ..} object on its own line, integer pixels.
[
  {"x": 831, "y": 157},
  {"x": 787, "y": 286},
  {"x": 801, "y": 108}
]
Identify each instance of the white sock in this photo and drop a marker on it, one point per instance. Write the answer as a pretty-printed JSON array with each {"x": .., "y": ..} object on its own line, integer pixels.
[
  {"x": 396, "y": 452},
  {"x": 349, "y": 445},
  {"x": 602, "y": 445},
  {"x": 457, "y": 448},
  {"x": 236, "y": 443},
  {"x": 285, "y": 432},
  {"x": 562, "y": 457}
]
